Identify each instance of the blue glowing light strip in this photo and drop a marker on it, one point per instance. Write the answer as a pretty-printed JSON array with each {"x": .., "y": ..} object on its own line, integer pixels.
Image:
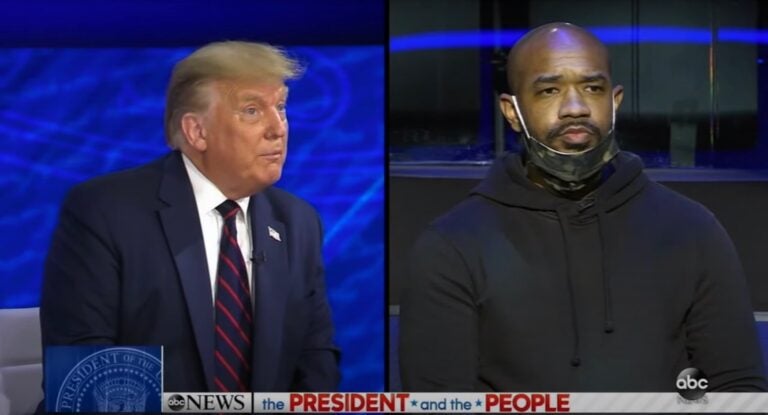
[{"x": 609, "y": 35}]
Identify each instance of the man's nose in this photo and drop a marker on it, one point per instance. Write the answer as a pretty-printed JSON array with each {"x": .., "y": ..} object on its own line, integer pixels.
[
  {"x": 573, "y": 105},
  {"x": 277, "y": 124}
]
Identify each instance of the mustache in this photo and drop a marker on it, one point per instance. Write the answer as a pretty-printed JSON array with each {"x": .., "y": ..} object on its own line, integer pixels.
[{"x": 560, "y": 129}]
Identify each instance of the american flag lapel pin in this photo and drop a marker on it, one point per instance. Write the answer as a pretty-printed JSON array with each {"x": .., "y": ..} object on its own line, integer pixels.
[{"x": 274, "y": 234}]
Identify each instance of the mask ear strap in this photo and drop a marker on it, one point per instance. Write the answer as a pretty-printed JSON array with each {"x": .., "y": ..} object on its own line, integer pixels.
[{"x": 520, "y": 117}]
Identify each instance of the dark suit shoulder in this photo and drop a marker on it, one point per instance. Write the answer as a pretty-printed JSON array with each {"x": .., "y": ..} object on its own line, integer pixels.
[
  {"x": 287, "y": 206},
  {"x": 135, "y": 184}
]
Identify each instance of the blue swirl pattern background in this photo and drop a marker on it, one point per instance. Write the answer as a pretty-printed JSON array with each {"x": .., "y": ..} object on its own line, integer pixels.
[{"x": 67, "y": 115}]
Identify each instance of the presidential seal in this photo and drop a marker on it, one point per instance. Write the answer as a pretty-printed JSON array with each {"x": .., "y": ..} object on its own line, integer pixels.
[{"x": 116, "y": 379}]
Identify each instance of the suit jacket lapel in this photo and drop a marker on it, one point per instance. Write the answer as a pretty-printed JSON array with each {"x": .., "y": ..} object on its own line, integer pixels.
[
  {"x": 181, "y": 225},
  {"x": 271, "y": 284}
]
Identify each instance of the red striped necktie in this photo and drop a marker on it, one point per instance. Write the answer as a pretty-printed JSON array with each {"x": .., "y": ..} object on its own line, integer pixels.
[{"x": 234, "y": 320}]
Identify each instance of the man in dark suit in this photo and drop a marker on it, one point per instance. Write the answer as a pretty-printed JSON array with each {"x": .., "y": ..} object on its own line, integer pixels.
[{"x": 195, "y": 251}]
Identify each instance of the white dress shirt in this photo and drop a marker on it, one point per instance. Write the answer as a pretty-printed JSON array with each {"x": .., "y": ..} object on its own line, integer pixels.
[{"x": 208, "y": 197}]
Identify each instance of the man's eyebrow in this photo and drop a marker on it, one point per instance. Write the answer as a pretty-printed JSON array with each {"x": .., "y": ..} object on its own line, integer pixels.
[
  {"x": 252, "y": 97},
  {"x": 547, "y": 79},
  {"x": 594, "y": 77}
]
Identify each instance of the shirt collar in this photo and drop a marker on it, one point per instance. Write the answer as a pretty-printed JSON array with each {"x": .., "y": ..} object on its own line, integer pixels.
[{"x": 207, "y": 195}]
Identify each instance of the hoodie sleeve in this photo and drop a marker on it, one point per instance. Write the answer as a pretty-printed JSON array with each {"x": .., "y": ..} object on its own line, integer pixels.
[
  {"x": 438, "y": 320},
  {"x": 720, "y": 327}
]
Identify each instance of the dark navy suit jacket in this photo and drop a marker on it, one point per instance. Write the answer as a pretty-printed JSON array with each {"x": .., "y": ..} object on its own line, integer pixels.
[{"x": 127, "y": 266}]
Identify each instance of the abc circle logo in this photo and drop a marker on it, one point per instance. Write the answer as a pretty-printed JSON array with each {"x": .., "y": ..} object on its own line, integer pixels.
[
  {"x": 176, "y": 402},
  {"x": 692, "y": 384}
]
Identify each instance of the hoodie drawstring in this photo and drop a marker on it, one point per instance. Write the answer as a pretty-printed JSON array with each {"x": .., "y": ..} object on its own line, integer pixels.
[
  {"x": 607, "y": 294},
  {"x": 608, "y": 323},
  {"x": 576, "y": 358}
]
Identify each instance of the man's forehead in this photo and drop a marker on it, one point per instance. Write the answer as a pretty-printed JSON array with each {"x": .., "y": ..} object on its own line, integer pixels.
[
  {"x": 557, "y": 48},
  {"x": 248, "y": 90},
  {"x": 562, "y": 52},
  {"x": 558, "y": 36},
  {"x": 565, "y": 62}
]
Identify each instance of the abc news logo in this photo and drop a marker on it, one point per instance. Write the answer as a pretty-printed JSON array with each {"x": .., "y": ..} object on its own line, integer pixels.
[
  {"x": 208, "y": 402},
  {"x": 692, "y": 384}
]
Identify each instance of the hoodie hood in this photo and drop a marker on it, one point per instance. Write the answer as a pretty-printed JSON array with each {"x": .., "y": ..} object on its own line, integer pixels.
[{"x": 507, "y": 183}]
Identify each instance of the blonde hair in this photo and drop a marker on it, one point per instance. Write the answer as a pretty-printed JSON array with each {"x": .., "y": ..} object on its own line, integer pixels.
[{"x": 229, "y": 60}]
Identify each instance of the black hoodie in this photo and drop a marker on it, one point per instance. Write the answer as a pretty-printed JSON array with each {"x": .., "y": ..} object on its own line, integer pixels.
[{"x": 516, "y": 289}]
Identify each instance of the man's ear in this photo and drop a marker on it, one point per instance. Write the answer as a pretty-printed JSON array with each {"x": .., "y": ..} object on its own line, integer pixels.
[
  {"x": 618, "y": 96},
  {"x": 194, "y": 131},
  {"x": 508, "y": 111}
]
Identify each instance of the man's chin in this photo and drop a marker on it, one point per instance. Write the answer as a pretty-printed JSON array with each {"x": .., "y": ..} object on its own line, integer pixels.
[
  {"x": 566, "y": 146},
  {"x": 261, "y": 180},
  {"x": 271, "y": 176},
  {"x": 577, "y": 148}
]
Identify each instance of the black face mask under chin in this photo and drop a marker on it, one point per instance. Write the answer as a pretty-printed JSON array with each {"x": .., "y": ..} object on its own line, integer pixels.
[{"x": 569, "y": 172}]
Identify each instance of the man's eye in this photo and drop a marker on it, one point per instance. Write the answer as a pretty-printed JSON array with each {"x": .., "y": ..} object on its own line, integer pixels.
[
  {"x": 594, "y": 88},
  {"x": 548, "y": 91},
  {"x": 281, "y": 107},
  {"x": 251, "y": 111}
]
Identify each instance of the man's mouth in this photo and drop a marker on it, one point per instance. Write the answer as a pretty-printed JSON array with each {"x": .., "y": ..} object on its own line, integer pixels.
[
  {"x": 576, "y": 135},
  {"x": 273, "y": 155}
]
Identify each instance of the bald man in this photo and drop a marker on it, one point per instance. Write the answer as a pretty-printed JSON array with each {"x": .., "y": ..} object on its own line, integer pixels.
[{"x": 566, "y": 268}]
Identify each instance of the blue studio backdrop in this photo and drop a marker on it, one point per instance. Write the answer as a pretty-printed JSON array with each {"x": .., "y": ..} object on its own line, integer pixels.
[{"x": 70, "y": 114}]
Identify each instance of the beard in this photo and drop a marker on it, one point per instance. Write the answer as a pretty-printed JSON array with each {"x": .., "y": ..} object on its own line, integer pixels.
[{"x": 551, "y": 137}]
